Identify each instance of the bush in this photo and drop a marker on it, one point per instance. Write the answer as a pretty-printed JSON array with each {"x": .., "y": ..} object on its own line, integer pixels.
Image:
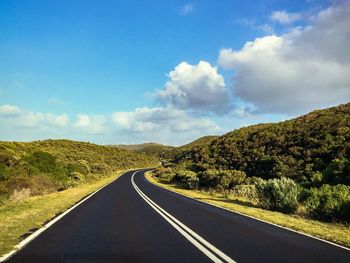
[
  {"x": 165, "y": 174},
  {"x": 71, "y": 168},
  {"x": 42, "y": 162},
  {"x": 224, "y": 179},
  {"x": 328, "y": 202},
  {"x": 231, "y": 178},
  {"x": 186, "y": 178},
  {"x": 246, "y": 191},
  {"x": 278, "y": 195},
  {"x": 4, "y": 175}
]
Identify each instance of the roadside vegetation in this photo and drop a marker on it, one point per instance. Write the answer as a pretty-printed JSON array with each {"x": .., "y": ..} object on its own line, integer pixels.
[
  {"x": 299, "y": 167},
  {"x": 42, "y": 167},
  {"x": 41, "y": 179},
  {"x": 24, "y": 214},
  {"x": 335, "y": 232}
]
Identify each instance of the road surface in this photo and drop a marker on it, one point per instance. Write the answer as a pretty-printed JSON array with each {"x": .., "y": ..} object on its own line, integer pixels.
[{"x": 132, "y": 220}]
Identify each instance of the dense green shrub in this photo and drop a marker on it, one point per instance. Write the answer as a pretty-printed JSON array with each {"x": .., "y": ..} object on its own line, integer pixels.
[
  {"x": 230, "y": 178},
  {"x": 338, "y": 171},
  {"x": 41, "y": 162},
  {"x": 164, "y": 173},
  {"x": 4, "y": 174},
  {"x": 223, "y": 179},
  {"x": 328, "y": 202},
  {"x": 278, "y": 195},
  {"x": 186, "y": 178},
  {"x": 209, "y": 178},
  {"x": 75, "y": 167}
]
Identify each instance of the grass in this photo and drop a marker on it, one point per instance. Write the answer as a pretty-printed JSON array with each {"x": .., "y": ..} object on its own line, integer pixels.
[
  {"x": 337, "y": 233},
  {"x": 17, "y": 219}
]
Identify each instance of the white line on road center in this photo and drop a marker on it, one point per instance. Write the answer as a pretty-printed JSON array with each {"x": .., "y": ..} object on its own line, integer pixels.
[{"x": 204, "y": 246}]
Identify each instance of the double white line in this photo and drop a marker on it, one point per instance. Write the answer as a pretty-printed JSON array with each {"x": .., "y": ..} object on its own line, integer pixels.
[{"x": 208, "y": 249}]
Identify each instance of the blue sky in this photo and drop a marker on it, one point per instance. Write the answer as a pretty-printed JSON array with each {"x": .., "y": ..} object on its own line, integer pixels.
[{"x": 165, "y": 71}]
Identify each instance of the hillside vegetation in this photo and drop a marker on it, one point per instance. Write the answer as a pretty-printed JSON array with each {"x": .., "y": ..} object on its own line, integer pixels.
[
  {"x": 42, "y": 167},
  {"x": 152, "y": 148},
  {"x": 299, "y": 163}
]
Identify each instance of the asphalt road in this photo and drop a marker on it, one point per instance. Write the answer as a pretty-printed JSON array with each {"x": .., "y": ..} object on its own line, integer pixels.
[{"x": 139, "y": 222}]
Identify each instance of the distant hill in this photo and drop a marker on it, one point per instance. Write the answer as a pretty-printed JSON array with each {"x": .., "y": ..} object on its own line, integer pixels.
[
  {"x": 312, "y": 149},
  {"x": 205, "y": 140},
  {"x": 153, "y": 148}
]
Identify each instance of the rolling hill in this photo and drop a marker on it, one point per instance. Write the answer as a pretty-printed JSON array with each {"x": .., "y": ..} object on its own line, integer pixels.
[{"x": 311, "y": 149}]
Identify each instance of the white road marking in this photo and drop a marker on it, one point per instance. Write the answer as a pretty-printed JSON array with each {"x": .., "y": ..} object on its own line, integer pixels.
[{"x": 204, "y": 246}]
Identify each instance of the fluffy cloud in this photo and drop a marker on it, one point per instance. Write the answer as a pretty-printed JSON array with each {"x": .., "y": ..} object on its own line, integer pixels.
[
  {"x": 197, "y": 87},
  {"x": 298, "y": 71},
  {"x": 91, "y": 124},
  {"x": 16, "y": 117},
  {"x": 284, "y": 17},
  {"x": 153, "y": 119}
]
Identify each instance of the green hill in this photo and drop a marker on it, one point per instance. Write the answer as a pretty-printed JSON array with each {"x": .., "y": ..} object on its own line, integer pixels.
[
  {"x": 153, "y": 148},
  {"x": 205, "y": 140},
  {"x": 51, "y": 165},
  {"x": 312, "y": 149}
]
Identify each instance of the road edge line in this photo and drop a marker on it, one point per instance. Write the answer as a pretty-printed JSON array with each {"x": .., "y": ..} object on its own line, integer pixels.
[
  {"x": 255, "y": 218},
  {"x": 23, "y": 243}
]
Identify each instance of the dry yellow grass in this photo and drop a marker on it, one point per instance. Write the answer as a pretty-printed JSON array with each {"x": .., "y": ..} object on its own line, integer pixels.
[
  {"x": 337, "y": 233},
  {"x": 19, "y": 218}
]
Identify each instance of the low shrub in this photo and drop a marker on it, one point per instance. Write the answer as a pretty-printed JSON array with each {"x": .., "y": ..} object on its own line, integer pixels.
[
  {"x": 41, "y": 162},
  {"x": 223, "y": 179},
  {"x": 278, "y": 195},
  {"x": 245, "y": 191},
  {"x": 328, "y": 202},
  {"x": 164, "y": 173},
  {"x": 186, "y": 179},
  {"x": 4, "y": 174}
]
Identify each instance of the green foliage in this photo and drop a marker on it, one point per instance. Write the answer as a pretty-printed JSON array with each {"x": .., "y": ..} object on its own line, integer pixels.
[
  {"x": 186, "y": 179},
  {"x": 328, "y": 202},
  {"x": 164, "y": 173},
  {"x": 338, "y": 171},
  {"x": 248, "y": 192},
  {"x": 41, "y": 162},
  {"x": 223, "y": 179},
  {"x": 4, "y": 174},
  {"x": 312, "y": 150},
  {"x": 53, "y": 165},
  {"x": 278, "y": 195}
]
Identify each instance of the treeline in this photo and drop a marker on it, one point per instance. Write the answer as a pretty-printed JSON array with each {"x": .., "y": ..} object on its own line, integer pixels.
[
  {"x": 308, "y": 156},
  {"x": 42, "y": 167}
]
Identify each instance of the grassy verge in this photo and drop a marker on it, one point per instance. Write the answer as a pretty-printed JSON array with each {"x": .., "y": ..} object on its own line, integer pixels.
[
  {"x": 20, "y": 218},
  {"x": 337, "y": 233}
]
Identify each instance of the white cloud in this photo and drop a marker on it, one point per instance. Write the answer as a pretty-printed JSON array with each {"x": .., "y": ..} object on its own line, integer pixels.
[
  {"x": 284, "y": 17},
  {"x": 166, "y": 125},
  {"x": 187, "y": 9},
  {"x": 16, "y": 117},
  {"x": 304, "y": 69},
  {"x": 9, "y": 111},
  {"x": 91, "y": 124},
  {"x": 153, "y": 119},
  {"x": 197, "y": 87}
]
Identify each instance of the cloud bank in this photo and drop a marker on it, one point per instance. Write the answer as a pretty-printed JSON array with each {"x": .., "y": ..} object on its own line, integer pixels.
[{"x": 301, "y": 70}]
